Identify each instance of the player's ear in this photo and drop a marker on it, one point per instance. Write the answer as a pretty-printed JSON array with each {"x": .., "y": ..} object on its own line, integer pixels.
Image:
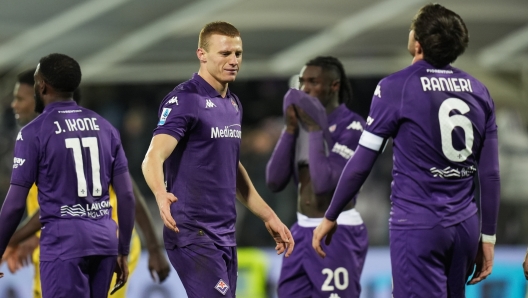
[
  {"x": 335, "y": 85},
  {"x": 418, "y": 48},
  {"x": 202, "y": 55}
]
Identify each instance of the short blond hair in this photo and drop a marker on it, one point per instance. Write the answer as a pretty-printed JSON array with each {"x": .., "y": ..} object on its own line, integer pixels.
[{"x": 218, "y": 27}]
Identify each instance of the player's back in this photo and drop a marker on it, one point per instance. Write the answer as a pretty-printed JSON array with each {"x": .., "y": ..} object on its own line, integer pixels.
[
  {"x": 78, "y": 154},
  {"x": 443, "y": 118}
]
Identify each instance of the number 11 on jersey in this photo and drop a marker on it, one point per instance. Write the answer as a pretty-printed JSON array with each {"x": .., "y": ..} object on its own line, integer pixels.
[{"x": 91, "y": 144}]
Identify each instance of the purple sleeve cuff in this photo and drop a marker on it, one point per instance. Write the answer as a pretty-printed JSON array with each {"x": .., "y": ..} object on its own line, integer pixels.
[
  {"x": 125, "y": 210},
  {"x": 489, "y": 184},
  {"x": 354, "y": 175},
  {"x": 279, "y": 168},
  {"x": 11, "y": 213}
]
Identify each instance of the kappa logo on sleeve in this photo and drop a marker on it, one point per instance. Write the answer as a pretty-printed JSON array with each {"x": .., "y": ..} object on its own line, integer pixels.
[
  {"x": 222, "y": 287},
  {"x": 18, "y": 162},
  {"x": 370, "y": 120},
  {"x": 378, "y": 91},
  {"x": 173, "y": 100},
  {"x": 164, "y": 114},
  {"x": 19, "y": 136}
]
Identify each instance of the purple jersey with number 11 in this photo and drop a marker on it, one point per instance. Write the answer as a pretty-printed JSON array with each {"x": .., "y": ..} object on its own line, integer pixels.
[
  {"x": 72, "y": 154},
  {"x": 438, "y": 119}
]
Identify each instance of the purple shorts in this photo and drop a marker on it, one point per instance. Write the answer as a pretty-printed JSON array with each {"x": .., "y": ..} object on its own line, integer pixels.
[
  {"x": 434, "y": 262},
  {"x": 84, "y": 277},
  {"x": 306, "y": 274},
  {"x": 206, "y": 270}
]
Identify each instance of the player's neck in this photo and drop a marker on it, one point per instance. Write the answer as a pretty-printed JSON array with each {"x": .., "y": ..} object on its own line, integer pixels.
[
  {"x": 220, "y": 87},
  {"x": 416, "y": 58},
  {"x": 60, "y": 97}
]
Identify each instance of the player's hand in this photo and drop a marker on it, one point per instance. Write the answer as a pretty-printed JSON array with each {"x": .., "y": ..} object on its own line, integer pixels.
[
  {"x": 325, "y": 228},
  {"x": 281, "y": 234},
  {"x": 11, "y": 257},
  {"x": 25, "y": 250},
  {"x": 121, "y": 270},
  {"x": 306, "y": 120},
  {"x": 158, "y": 265},
  {"x": 525, "y": 266},
  {"x": 164, "y": 200},
  {"x": 483, "y": 262},
  {"x": 292, "y": 124}
]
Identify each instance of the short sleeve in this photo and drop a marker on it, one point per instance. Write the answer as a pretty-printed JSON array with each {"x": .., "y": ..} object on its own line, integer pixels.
[
  {"x": 120, "y": 161},
  {"x": 177, "y": 115},
  {"x": 383, "y": 119},
  {"x": 26, "y": 159}
]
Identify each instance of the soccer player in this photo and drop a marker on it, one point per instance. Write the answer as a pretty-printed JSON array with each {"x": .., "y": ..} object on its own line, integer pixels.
[
  {"x": 442, "y": 122},
  {"x": 73, "y": 155},
  {"x": 192, "y": 166},
  {"x": 301, "y": 152},
  {"x": 19, "y": 255}
]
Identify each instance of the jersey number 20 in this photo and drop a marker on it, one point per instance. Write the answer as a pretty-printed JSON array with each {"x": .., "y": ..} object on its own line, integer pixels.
[
  {"x": 448, "y": 124},
  {"x": 90, "y": 143},
  {"x": 339, "y": 276}
]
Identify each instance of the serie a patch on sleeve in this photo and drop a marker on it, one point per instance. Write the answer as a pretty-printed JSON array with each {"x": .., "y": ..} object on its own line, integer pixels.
[{"x": 164, "y": 114}]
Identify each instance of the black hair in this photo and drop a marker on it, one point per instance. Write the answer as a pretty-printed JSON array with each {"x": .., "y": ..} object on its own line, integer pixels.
[
  {"x": 27, "y": 77},
  {"x": 61, "y": 72},
  {"x": 333, "y": 65},
  {"x": 442, "y": 34}
]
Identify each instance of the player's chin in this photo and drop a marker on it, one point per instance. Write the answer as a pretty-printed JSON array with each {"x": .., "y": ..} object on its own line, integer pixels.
[{"x": 230, "y": 76}]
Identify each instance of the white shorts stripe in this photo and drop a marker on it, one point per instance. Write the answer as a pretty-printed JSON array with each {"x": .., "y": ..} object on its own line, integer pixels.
[{"x": 371, "y": 141}]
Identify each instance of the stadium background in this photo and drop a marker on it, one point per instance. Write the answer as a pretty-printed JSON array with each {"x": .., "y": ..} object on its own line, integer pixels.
[{"x": 133, "y": 52}]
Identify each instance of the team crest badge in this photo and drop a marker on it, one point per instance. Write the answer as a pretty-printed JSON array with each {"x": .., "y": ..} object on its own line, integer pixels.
[
  {"x": 332, "y": 128},
  {"x": 221, "y": 287},
  {"x": 235, "y": 105}
]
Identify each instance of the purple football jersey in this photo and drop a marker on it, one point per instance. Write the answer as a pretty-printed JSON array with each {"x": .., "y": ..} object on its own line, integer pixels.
[
  {"x": 438, "y": 119},
  {"x": 72, "y": 154},
  {"x": 201, "y": 171}
]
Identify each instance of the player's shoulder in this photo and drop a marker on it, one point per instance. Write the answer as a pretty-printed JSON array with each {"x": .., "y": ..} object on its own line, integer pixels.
[
  {"x": 351, "y": 120},
  {"x": 184, "y": 94},
  {"x": 476, "y": 85}
]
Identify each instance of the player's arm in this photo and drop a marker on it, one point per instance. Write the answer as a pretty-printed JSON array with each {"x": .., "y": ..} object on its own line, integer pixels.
[
  {"x": 248, "y": 195},
  {"x": 28, "y": 228},
  {"x": 488, "y": 170},
  {"x": 157, "y": 261},
  {"x": 354, "y": 175},
  {"x": 11, "y": 214},
  {"x": 279, "y": 167},
  {"x": 161, "y": 147}
]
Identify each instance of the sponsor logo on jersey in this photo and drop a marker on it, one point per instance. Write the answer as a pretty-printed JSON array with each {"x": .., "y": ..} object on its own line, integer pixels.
[
  {"x": 231, "y": 131},
  {"x": 221, "y": 287},
  {"x": 343, "y": 150},
  {"x": 93, "y": 210},
  {"x": 209, "y": 104},
  {"x": 370, "y": 120},
  {"x": 355, "y": 125},
  {"x": 453, "y": 173},
  {"x": 235, "y": 105},
  {"x": 164, "y": 114},
  {"x": 173, "y": 100},
  {"x": 18, "y": 162},
  {"x": 377, "y": 92},
  {"x": 332, "y": 128},
  {"x": 19, "y": 136}
]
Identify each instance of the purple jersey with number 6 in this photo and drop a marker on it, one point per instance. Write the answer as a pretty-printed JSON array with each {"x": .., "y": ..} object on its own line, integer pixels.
[
  {"x": 72, "y": 154},
  {"x": 438, "y": 119}
]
